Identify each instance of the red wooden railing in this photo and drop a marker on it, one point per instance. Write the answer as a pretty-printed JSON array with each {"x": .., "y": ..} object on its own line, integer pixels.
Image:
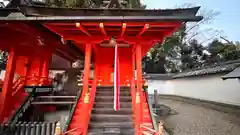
[
  {"x": 140, "y": 128},
  {"x": 90, "y": 105},
  {"x": 72, "y": 130},
  {"x": 18, "y": 85},
  {"x": 18, "y": 93},
  {"x": 86, "y": 108},
  {"x": 38, "y": 80}
]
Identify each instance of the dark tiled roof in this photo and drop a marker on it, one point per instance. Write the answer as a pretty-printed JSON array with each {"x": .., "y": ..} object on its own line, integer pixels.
[
  {"x": 213, "y": 69},
  {"x": 54, "y": 11},
  {"x": 158, "y": 76},
  {"x": 218, "y": 68}
]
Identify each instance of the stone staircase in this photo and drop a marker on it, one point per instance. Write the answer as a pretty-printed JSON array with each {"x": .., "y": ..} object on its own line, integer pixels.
[{"x": 106, "y": 121}]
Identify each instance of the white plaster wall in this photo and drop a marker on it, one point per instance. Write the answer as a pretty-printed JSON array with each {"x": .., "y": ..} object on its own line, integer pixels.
[
  {"x": 163, "y": 87},
  {"x": 210, "y": 87}
]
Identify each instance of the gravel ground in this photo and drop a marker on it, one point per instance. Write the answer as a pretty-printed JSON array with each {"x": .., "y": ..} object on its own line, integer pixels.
[{"x": 197, "y": 120}]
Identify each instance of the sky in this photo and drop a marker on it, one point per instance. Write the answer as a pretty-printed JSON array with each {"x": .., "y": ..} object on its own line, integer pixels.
[{"x": 228, "y": 20}]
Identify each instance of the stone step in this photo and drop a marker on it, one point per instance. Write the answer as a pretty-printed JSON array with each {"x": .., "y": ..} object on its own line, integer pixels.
[
  {"x": 122, "y": 111},
  {"x": 106, "y": 131},
  {"x": 100, "y": 132},
  {"x": 112, "y": 89},
  {"x": 111, "y": 98},
  {"x": 115, "y": 132},
  {"x": 110, "y": 118},
  {"x": 110, "y": 105},
  {"x": 103, "y": 125},
  {"x": 111, "y": 93},
  {"x": 109, "y": 90}
]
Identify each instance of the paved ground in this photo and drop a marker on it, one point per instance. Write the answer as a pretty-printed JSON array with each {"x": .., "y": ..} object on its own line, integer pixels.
[{"x": 197, "y": 120}]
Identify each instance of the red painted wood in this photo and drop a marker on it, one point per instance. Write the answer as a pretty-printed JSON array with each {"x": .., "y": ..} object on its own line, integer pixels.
[
  {"x": 101, "y": 25},
  {"x": 34, "y": 71},
  {"x": 86, "y": 72},
  {"x": 124, "y": 26},
  {"x": 130, "y": 24},
  {"x": 46, "y": 58},
  {"x": 78, "y": 25},
  {"x": 6, "y": 95},
  {"x": 139, "y": 74},
  {"x": 145, "y": 27},
  {"x": 104, "y": 61}
]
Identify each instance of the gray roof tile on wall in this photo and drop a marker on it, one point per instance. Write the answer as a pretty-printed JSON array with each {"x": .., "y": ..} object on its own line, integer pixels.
[
  {"x": 207, "y": 70},
  {"x": 218, "y": 68}
]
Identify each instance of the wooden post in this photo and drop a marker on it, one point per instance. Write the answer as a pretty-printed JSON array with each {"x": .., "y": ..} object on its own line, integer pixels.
[
  {"x": 139, "y": 76},
  {"x": 6, "y": 95},
  {"x": 86, "y": 72},
  {"x": 45, "y": 66},
  {"x": 85, "y": 92}
]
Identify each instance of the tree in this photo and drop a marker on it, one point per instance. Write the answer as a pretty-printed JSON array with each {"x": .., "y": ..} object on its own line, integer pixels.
[
  {"x": 195, "y": 30},
  {"x": 66, "y": 3},
  {"x": 181, "y": 50}
]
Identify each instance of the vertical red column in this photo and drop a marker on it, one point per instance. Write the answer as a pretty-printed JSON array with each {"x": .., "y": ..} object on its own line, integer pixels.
[
  {"x": 139, "y": 77},
  {"x": 86, "y": 72},
  {"x": 45, "y": 66},
  {"x": 6, "y": 94},
  {"x": 85, "y": 92},
  {"x": 33, "y": 71}
]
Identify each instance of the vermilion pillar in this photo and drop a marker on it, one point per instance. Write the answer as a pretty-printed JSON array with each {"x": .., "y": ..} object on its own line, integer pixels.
[
  {"x": 86, "y": 72},
  {"x": 139, "y": 74},
  {"x": 86, "y": 96},
  {"x": 33, "y": 71},
  {"x": 6, "y": 94},
  {"x": 44, "y": 70}
]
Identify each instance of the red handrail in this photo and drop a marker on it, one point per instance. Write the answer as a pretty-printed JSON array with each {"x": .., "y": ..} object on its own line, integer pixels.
[
  {"x": 91, "y": 101},
  {"x": 140, "y": 128},
  {"x": 159, "y": 132},
  {"x": 72, "y": 130},
  {"x": 147, "y": 128},
  {"x": 17, "y": 86},
  {"x": 17, "y": 82}
]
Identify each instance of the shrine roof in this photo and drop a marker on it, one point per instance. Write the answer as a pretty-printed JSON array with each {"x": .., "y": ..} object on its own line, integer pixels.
[
  {"x": 81, "y": 26},
  {"x": 65, "y": 14}
]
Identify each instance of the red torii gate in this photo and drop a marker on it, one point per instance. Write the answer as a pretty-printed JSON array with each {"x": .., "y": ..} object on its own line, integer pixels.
[{"x": 35, "y": 37}]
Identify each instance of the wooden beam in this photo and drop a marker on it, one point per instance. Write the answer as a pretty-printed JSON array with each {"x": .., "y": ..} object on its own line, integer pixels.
[
  {"x": 64, "y": 31},
  {"x": 53, "y": 29},
  {"x": 6, "y": 94},
  {"x": 101, "y": 25},
  {"x": 145, "y": 27},
  {"x": 124, "y": 26},
  {"x": 87, "y": 39},
  {"x": 119, "y": 24},
  {"x": 78, "y": 25}
]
